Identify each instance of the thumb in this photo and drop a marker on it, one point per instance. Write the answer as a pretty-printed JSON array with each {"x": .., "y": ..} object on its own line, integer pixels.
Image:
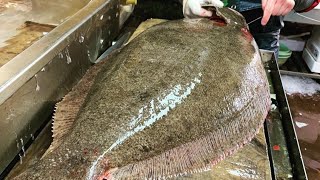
[
  {"x": 197, "y": 10},
  {"x": 205, "y": 13}
]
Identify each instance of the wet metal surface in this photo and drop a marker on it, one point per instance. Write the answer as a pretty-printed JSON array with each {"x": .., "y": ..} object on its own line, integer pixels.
[
  {"x": 33, "y": 153},
  {"x": 28, "y": 34},
  {"x": 304, "y": 104},
  {"x": 283, "y": 144},
  {"x": 306, "y": 114},
  {"x": 14, "y": 13}
]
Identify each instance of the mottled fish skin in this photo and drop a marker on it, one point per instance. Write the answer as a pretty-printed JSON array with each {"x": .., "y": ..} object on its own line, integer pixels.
[{"x": 177, "y": 99}]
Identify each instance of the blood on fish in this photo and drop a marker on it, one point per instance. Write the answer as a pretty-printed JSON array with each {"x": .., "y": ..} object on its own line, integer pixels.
[
  {"x": 246, "y": 33},
  {"x": 276, "y": 147},
  {"x": 95, "y": 152},
  {"x": 85, "y": 151},
  {"x": 105, "y": 176},
  {"x": 218, "y": 20}
]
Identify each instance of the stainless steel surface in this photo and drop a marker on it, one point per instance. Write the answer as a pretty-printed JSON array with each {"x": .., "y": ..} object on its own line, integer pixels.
[
  {"x": 14, "y": 13},
  {"x": 284, "y": 149},
  {"x": 279, "y": 158},
  {"x": 266, "y": 55},
  {"x": 301, "y": 74},
  {"x": 34, "y": 80},
  {"x": 118, "y": 44},
  {"x": 125, "y": 12}
]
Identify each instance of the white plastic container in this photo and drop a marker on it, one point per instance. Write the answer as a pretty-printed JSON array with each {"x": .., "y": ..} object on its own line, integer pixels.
[
  {"x": 311, "y": 53},
  {"x": 313, "y": 65}
]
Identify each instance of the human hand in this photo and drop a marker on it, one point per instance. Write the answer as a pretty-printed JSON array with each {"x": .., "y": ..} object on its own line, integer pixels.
[
  {"x": 275, "y": 8},
  {"x": 193, "y": 9}
]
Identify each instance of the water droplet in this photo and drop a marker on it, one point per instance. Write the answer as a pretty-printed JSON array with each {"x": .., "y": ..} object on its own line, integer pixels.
[
  {"x": 32, "y": 136},
  {"x": 101, "y": 41},
  {"x": 81, "y": 39},
  {"x": 60, "y": 55},
  {"x": 88, "y": 53},
  {"x": 101, "y": 17},
  {"x": 21, "y": 140},
  {"x": 44, "y": 33},
  {"x": 43, "y": 69},
  {"x": 113, "y": 43},
  {"x": 37, "y": 86},
  {"x": 20, "y": 157},
  {"x": 68, "y": 57},
  {"x": 69, "y": 60},
  {"x": 117, "y": 14},
  {"x": 23, "y": 151}
]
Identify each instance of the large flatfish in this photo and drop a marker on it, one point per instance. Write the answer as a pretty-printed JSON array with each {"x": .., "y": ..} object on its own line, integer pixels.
[{"x": 177, "y": 99}]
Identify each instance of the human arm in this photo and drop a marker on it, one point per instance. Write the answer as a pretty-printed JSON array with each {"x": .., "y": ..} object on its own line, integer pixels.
[{"x": 283, "y": 7}]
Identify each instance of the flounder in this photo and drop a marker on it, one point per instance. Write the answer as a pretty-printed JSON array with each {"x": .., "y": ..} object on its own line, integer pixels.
[{"x": 177, "y": 99}]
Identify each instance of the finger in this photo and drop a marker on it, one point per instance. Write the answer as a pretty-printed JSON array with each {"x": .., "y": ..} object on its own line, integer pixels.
[
  {"x": 282, "y": 10},
  {"x": 289, "y": 8},
  {"x": 205, "y": 13},
  {"x": 216, "y": 3},
  {"x": 279, "y": 8},
  {"x": 263, "y": 3},
  {"x": 267, "y": 12},
  {"x": 287, "y": 11}
]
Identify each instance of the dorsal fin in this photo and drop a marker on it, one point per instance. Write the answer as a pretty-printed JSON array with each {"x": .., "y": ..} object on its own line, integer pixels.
[
  {"x": 67, "y": 110},
  {"x": 194, "y": 157}
]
